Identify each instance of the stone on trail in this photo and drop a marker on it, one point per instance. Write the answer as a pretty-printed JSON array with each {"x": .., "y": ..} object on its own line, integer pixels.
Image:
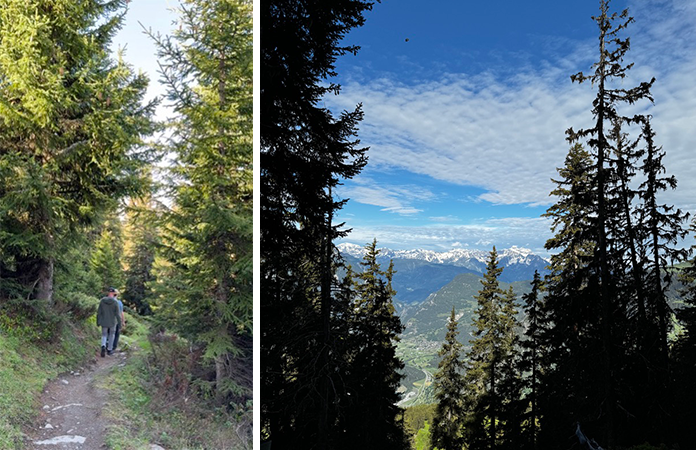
[
  {"x": 68, "y": 439},
  {"x": 65, "y": 406}
]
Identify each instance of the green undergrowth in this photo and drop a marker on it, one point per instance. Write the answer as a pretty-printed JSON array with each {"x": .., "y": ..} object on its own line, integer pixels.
[
  {"x": 33, "y": 350},
  {"x": 154, "y": 402}
]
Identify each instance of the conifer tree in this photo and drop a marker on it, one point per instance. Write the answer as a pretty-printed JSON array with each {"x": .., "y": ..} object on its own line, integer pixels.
[
  {"x": 305, "y": 152},
  {"x": 207, "y": 68},
  {"x": 663, "y": 231},
  {"x": 71, "y": 122},
  {"x": 106, "y": 257},
  {"x": 141, "y": 230},
  {"x": 446, "y": 429},
  {"x": 490, "y": 387},
  {"x": 534, "y": 357},
  {"x": 684, "y": 355},
  {"x": 598, "y": 288},
  {"x": 375, "y": 421}
]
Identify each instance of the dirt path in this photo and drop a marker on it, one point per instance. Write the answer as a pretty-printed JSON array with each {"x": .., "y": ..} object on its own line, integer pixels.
[{"x": 73, "y": 416}]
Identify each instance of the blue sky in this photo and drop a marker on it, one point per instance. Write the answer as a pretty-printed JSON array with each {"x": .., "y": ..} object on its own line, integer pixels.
[
  {"x": 140, "y": 51},
  {"x": 465, "y": 121}
]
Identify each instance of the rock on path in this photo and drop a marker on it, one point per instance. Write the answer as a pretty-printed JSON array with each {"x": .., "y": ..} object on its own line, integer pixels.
[{"x": 72, "y": 417}]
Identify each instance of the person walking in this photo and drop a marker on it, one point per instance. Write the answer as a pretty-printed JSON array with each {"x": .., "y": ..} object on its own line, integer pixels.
[
  {"x": 108, "y": 318},
  {"x": 122, "y": 324}
]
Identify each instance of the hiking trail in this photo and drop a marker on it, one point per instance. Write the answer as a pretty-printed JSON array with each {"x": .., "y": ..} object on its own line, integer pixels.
[{"x": 73, "y": 414}]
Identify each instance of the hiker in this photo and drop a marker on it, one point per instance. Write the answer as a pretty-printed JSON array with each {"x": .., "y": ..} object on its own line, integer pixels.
[
  {"x": 121, "y": 324},
  {"x": 108, "y": 318}
]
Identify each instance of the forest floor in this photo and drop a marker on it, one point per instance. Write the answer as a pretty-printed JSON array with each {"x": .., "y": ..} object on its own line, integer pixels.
[{"x": 74, "y": 408}]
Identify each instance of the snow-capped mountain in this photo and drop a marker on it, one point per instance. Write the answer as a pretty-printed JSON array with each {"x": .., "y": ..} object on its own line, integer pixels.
[
  {"x": 455, "y": 257},
  {"x": 420, "y": 272}
]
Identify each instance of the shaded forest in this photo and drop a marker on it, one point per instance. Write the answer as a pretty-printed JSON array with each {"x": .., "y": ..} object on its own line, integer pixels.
[
  {"x": 602, "y": 359},
  {"x": 95, "y": 192}
]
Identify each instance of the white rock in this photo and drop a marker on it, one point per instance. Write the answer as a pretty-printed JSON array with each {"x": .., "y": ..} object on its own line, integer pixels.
[
  {"x": 65, "y": 381},
  {"x": 156, "y": 447},
  {"x": 67, "y": 439},
  {"x": 48, "y": 426},
  {"x": 65, "y": 406}
]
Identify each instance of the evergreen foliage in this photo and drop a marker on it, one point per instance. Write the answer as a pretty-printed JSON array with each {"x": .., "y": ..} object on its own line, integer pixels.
[
  {"x": 373, "y": 419},
  {"x": 534, "y": 359},
  {"x": 313, "y": 383},
  {"x": 206, "y": 288},
  {"x": 608, "y": 352},
  {"x": 491, "y": 386},
  {"x": 143, "y": 217},
  {"x": 106, "y": 257},
  {"x": 71, "y": 122},
  {"x": 684, "y": 354},
  {"x": 446, "y": 430}
]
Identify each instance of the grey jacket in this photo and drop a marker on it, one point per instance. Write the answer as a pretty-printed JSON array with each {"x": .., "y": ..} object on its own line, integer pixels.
[{"x": 107, "y": 313}]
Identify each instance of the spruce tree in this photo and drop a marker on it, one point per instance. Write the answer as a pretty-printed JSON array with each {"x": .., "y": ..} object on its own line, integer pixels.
[
  {"x": 106, "y": 257},
  {"x": 374, "y": 420},
  {"x": 141, "y": 231},
  {"x": 71, "y": 123},
  {"x": 534, "y": 358},
  {"x": 596, "y": 307},
  {"x": 663, "y": 231},
  {"x": 684, "y": 355},
  {"x": 446, "y": 429},
  {"x": 305, "y": 152},
  {"x": 490, "y": 377},
  {"x": 207, "y": 68}
]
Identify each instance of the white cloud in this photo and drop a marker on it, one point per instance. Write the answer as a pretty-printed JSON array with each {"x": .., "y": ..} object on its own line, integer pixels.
[
  {"x": 394, "y": 199},
  {"x": 506, "y": 135},
  {"x": 530, "y": 233}
]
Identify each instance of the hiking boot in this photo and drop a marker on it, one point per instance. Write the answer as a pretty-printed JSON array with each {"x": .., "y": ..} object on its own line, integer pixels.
[
  {"x": 103, "y": 351},
  {"x": 109, "y": 352}
]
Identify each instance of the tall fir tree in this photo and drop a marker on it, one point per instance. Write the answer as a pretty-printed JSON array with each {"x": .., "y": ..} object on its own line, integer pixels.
[
  {"x": 72, "y": 119},
  {"x": 612, "y": 50},
  {"x": 608, "y": 343},
  {"x": 663, "y": 231},
  {"x": 446, "y": 429},
  {"x": 106, "y": 257},
  {"x": 490, "y": 384},
  {"x": 534, "y": 359},
  {"x": 374, "y": 419},
  {"x": 207, "y": 68},
  {"x": 684, "y": 355},
  {"x": 305, "y": 152},
  {"x": 141, "y": 231}
]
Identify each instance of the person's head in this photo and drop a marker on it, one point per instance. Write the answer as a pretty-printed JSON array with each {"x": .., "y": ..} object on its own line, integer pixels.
[{"x": 112, "y": 292}]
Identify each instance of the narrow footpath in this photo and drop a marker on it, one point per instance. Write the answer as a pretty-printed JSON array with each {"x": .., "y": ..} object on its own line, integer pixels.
[{"x": 73, "y": 406}]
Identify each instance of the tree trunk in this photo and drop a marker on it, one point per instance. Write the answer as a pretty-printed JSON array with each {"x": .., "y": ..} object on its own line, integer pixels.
[
  {"x": 44, "y": 283},
  {"x": 219, "y": 376}
]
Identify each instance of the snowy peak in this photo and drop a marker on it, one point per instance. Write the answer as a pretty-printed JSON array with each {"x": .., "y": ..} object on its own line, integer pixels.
[{"x": 456, "y": 257}]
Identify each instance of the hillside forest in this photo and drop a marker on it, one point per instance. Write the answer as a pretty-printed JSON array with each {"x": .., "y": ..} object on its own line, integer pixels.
[
  {"x": 96, "y": 192},
  {"x": 593, "y": 354}
]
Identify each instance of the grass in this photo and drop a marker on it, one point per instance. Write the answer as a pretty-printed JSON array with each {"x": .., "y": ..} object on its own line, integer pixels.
[{"x": 144, "y": 411}]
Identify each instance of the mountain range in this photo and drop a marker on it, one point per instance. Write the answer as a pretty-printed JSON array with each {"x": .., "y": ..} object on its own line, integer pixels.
[
  {"x": 420, "y": 272},
  {"x": 428, "y": 284}
]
